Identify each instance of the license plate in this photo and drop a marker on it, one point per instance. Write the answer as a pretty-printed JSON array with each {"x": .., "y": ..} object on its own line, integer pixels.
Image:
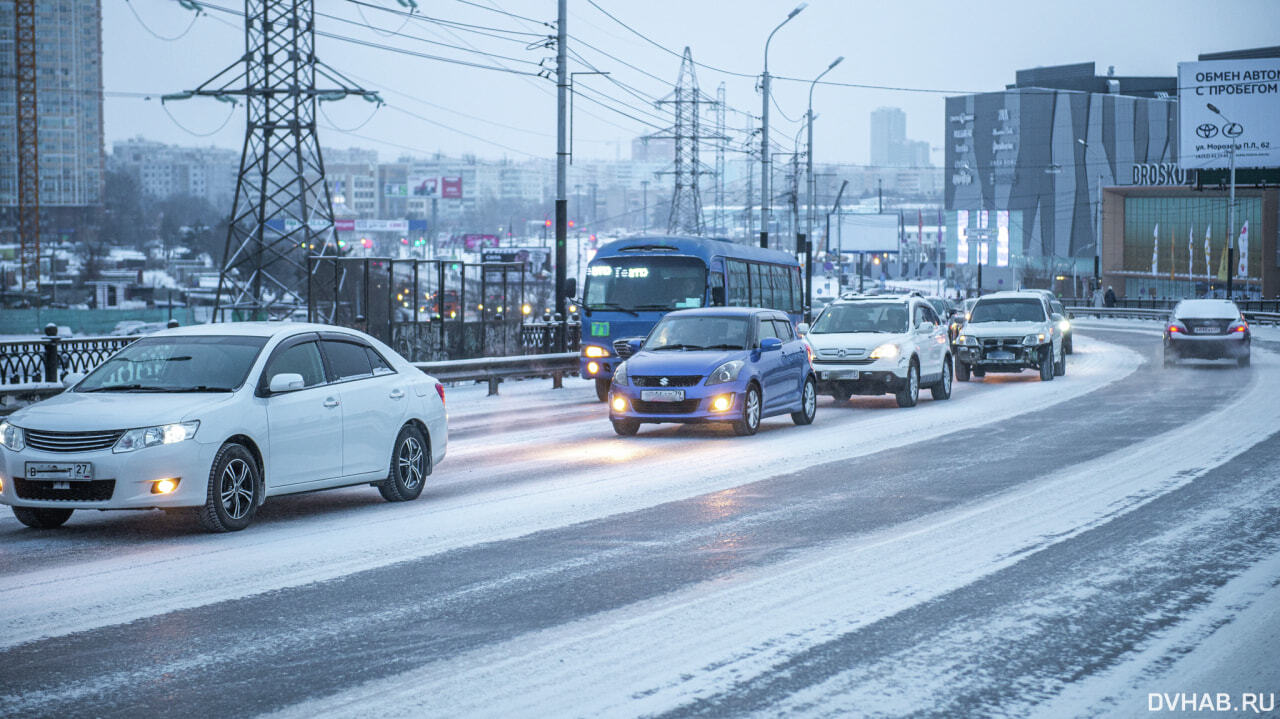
[
  {"x": 63, "y": 471},
  {"x": 841, "y": 374},
  {"x": 662, "y": 395},
  {"x": 1204, "y": 330},
  {"x": 1000, "y": 355}
]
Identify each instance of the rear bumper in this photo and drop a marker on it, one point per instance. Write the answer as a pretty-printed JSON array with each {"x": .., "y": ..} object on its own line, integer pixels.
[
  {"x": 604, "y": 367},
  {"x": 1215, "y": 347}
]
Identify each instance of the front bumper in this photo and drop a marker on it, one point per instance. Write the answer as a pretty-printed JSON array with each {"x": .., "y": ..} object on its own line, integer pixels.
[
  {"x": 1230, "y": 346},
  {"x": 603, "y": 366},
  {"x": 875, "y": 377},
  {"x": 120, "y": 481},
  {"x": 1007, "y": 358},
  {"x": 696, "y": 406}
]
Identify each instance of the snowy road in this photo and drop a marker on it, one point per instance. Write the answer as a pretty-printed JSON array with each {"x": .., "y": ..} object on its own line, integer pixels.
[{"x": 1026, "y": 548}]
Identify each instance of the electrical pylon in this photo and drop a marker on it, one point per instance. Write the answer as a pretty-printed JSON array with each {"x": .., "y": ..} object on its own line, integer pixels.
[
  {"x": 24, "y": 14},
  {"x": 688, "y": 103},
  {"x": 282, "y": 212}
]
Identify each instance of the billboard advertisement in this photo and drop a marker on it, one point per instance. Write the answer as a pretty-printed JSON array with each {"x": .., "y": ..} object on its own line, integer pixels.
[
  {"x": 1246, "y": 94},
  {"x": 451, "y": 188},
  {"x": 423, "y": 186},
  {"x": 395, "y": 189},
  {"x": 867, "y": 233}
]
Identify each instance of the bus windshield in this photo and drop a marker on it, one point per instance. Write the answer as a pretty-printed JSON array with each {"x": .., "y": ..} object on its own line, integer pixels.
[{"x": 645, "y": 283}]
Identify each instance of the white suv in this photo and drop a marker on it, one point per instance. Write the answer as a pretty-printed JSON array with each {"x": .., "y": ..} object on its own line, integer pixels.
[
  {"x": 1010, "y": 332},
  {"x": 880, "y": 345}
]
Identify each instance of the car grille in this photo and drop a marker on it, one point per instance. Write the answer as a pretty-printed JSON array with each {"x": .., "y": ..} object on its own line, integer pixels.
[
  {"x": 621, "y": 348},
  {"x": 98, "y": 490},
  {"x": 1208, "y": 327},
  {"x": 677, "y": 381},
  {"x": 1008, "y": 344},
  {"x": 684, "y": 407},
  {"x": 71, "y": 441},
  {"x": 832, "y": 360}
]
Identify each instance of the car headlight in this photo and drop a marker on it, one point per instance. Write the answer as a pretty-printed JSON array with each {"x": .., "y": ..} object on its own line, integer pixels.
[
  {"x": 1033, "y": 339},
  {"x": 1064, "y": 326},
  {"x": 887, "y": 350},
  {"x": 967, "y": 340},
  {"x": 594, "y": 351},
  {"x": 11, "y": 437},
  {"x": 726, "y": 372},
  {"x": 152, "y": 436},
  {"x": 620, "y": 374}
]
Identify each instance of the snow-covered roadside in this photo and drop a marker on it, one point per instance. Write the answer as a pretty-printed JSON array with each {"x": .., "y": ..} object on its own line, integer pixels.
[
  {"x": 664, "y": 653},
  {"x": 573, "y": 477}
]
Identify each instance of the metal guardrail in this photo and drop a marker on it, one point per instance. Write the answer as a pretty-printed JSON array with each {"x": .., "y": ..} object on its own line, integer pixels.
[
  {"x": 51, "y": 358},
  {"x": 1261, "y": 318},
  {"x": 495, "y": 369}
]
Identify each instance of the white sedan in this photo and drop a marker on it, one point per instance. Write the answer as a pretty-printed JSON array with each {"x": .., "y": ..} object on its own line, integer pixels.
[{"x": 218, "y": 418}]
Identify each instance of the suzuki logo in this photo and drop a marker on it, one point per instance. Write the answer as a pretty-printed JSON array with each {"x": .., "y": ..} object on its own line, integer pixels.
[
  {"x": 664, "y": 381},
  {"x": 1207, "y": 130}
]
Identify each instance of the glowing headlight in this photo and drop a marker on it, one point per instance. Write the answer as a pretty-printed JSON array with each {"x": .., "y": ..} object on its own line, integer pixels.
[
  {"x": 620, "y": 374},
  {"x": 1064, "y": 325},
  {"x": 726, "y": 372},
  {"x": 152, "y": 436},
  {"x": 594, "y": 351},
  {"x": 593, "y": 367},
  {"x": 887, "y": 350},
  {"x": 11, "y": 437},
  {"x": 967, "y": 340},
  {"x": 1033, "y": 339}
]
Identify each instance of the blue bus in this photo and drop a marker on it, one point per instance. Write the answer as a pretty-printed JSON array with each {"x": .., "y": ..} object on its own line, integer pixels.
[{"x": 632, "y": 283}]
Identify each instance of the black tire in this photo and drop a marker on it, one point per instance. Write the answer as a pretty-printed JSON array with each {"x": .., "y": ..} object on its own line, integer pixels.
[
  {"x": 410, "y": 466},
  {"x": 1060, "y": 367},
  {"x": 751, "y": 409},
  {"x": 602, "y": 389},
  {"x": 808, "y": 403},
  {"x": 962, "y": 371},
  {"x": 1066, "y": 345},
  {"x": 840, "y": 394},
  {"x": 1046, "y": 365},
  {"x": 41, "y": 517},
  {"x": 910, "y": 392},
  {"x": 942, "y": 388},
  {"x": 1242, "y": 361},
  {"x": 235, "y": 490},
  {"x": 625, "y": 427}
]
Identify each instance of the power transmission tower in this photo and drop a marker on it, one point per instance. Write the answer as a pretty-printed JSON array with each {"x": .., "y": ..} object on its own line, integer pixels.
[
  {"x": 688, "y": 103},
  {"x": 721, "y": 225},
  {"x": 282, "y": 213},
  {"x": 24, "y": 13}
]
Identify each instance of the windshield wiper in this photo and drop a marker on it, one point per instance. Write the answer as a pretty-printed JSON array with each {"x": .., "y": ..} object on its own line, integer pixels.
[
  {"x": 612, "y": 306},
  {"x": 197, "y": 388},
  {"x": 723, "y": 347},
  {"x": 674, "y": 347},
  {"x": 126, "y": 388},
  {"x": 653, "y": 307}
]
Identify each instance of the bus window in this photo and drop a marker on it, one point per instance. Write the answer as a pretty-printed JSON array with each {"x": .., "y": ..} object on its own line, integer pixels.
[
  {"x": 739, "y": 285},
  {"x": 759, "y": 286},
  {"x": 798, "y": 300},
  {"x": 781, "y": 289},
  {"x": 716, "y": 293},
  {"x": 646, "y": 283}
]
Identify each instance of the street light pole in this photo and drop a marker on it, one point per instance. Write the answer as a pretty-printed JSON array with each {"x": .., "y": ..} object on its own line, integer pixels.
[
  {"x": 811, "y": 188},
  {"x": 765, "y": 160},
  {"x": 1097, "y": 237},
  {"x": 1231, "y": 204}
]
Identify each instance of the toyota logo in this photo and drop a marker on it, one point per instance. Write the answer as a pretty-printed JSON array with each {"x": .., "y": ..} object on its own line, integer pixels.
[
  {"x": 664, "y": 381},
  {"x": 1207, "y": 130},
  {"x": 1233, "y": 129},
  {"x": 840, "y": 352}
]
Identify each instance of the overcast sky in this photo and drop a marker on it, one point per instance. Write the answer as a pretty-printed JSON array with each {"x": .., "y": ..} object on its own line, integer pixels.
[{"x": 934, "y": 48}]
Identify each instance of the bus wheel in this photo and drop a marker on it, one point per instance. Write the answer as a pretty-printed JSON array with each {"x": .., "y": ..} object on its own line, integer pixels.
[{"x": 602, "y": 389}]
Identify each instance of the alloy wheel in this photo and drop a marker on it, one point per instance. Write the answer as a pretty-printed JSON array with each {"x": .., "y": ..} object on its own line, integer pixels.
[
  {"x": 236, "y": 488},
  {"x": 409, "y": 462}
]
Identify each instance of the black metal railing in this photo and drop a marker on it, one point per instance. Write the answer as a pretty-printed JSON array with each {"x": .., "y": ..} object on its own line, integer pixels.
[{"x": 51, "y": 358}]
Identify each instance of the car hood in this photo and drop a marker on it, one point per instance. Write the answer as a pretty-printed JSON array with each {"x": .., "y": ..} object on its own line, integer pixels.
[
  {"x": 851, "y": 340},
  {"x": 677, "y": 362},
  {"x": 79, "y": 411},
  {"x": 1002, "y": 329}
]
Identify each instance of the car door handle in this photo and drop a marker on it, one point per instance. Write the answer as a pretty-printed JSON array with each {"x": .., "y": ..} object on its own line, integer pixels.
[
  {"x": 396, "y": 393},
  {"x": 330, "y": 402}
]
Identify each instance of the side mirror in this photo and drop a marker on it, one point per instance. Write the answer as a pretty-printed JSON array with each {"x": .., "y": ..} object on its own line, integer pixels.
[
  {"x": 1056, "y": 317},
  {"x": 285, "y": 382},
  {"x": 717, "y": 296},
  {"x": 571, "y": 287},
  {"x": 635, "y": 344},
  {"x": 802, "y": 329},
  {"x": 72, "y": 379},
  {"x": 768, "y": 344}
]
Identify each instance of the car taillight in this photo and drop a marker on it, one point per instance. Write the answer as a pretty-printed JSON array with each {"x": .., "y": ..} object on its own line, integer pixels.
[
  {"x": 440, "y": 391},
  {"x": 1240, "y": 326},
  {"x": 1175, "y": 328}
]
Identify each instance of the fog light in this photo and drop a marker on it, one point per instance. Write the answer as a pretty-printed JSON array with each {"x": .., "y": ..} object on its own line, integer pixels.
[
  {"x": 164, "y": 486},
  {"x": 721, "y": 402},
  {"x": 619, "y": 404},
  {"x": 593, "y": 367}
]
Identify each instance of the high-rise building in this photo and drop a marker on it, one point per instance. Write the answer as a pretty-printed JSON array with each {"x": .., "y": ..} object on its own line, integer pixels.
[
  {"x": 69, "y": 103},
  {"x": 888, "y": 133},
  {"x": 167, "y": 170}
]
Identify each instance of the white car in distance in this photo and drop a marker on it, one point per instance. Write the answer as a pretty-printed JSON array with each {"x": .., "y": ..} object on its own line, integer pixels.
[{"x": 216, "y": 418}]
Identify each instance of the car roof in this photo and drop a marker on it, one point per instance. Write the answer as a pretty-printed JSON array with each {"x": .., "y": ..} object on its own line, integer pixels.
[
  {"x": 250, "y": 329},
  {"x": 1014, "y": 295},
  {"x": 724, "y": 312}
]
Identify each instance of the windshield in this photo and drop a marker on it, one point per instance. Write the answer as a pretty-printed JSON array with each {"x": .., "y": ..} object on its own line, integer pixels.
[
  {"x": 698, "y": 333},
  {"x": 1008, "y": 311},
  {"x": 862, "y": 317},
  {"x": 177, "y": 364},
  {"x": 645, "y": 283}
]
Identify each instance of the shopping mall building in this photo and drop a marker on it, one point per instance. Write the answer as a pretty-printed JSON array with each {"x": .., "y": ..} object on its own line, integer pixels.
[{"x": 1027, "y": 169}]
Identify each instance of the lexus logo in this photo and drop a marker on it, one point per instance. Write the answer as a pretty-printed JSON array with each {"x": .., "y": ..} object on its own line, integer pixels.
[
  {"x": 664, "y": 381},
  {"x": 841, "y": 353},
  {"x": 1233, "y": 129},
  {"x": 1207, "y": 130}
]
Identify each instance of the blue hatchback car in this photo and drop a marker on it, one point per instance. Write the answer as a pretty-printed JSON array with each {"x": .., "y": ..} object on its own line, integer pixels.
[{"x": 717, "y": 364}]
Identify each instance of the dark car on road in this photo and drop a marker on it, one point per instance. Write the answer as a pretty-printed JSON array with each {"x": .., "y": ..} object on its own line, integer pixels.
[{"x": 1206, "y": 329}]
